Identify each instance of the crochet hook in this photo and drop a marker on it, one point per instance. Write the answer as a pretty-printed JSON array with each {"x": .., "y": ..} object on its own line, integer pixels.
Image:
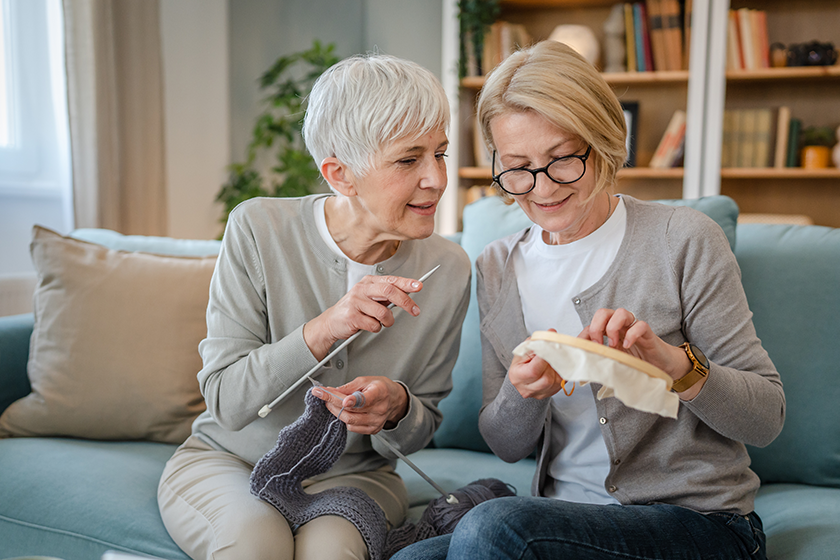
[
  {"x": 265, "y": 410},
  {"x": 360, "y": 402}
]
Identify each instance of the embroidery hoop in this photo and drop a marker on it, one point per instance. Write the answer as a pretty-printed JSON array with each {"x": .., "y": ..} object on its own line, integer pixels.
[{"x": 633, "y": 381}]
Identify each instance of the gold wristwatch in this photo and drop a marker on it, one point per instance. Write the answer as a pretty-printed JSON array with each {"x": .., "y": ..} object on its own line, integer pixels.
[{"x": 698, "y": 372}]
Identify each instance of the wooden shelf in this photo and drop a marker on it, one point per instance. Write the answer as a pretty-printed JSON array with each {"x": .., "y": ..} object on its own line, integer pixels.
[
  {"x": 484, "y": 173},
  {"x": 518, "y": 4},
  {"x": 793, "y": 73},
  {"x": 613, "y": 78},
  {"x": 779, "y": 173}
]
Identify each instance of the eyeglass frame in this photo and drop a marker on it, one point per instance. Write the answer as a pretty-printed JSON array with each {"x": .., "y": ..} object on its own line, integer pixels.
[{"x": 534, "y": 172}]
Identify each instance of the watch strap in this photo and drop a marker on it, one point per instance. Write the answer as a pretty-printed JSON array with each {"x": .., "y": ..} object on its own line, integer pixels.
[{"x": 698, "y": 371}]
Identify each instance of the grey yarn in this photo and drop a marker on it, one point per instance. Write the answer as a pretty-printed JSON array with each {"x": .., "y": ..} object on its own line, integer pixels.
[{"x": 309, "y": 447}]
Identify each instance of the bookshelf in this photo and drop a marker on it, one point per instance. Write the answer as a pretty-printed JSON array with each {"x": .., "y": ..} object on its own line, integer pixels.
[
  {"x": 809, "y": 92},
  {"x": 705, "y": 90}
]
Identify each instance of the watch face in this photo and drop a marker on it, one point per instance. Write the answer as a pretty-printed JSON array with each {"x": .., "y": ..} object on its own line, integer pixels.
[{"x": 701, "y": 357}]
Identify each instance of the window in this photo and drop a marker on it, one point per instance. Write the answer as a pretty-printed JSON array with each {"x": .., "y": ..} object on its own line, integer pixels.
[{"x": 34, "y": 132}]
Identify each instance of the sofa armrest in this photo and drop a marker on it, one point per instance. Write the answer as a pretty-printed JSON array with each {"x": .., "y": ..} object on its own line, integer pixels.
[{"x": 15, "y": 332}]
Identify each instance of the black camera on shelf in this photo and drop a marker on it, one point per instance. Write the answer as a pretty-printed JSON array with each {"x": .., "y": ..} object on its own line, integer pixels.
[{"x": 811, "y": 54}]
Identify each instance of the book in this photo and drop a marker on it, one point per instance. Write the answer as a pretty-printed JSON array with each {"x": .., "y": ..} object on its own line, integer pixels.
[
  {"x": 746, "y": 36},
  {"x": 794, "y": 130},
  {"x": 670, "y": 141},
  {"x": 687, "y": 32},
  {"x": 746, "y": 138},
  {"x": 660, "y": 55},
  {"x": 782, "y": 130},
  {"x": 726, "y": 141},
  {"x": 645, "y": 37},
  {"x": 672, "y": 26},
  {"x": 639, "y": 38},
  {"x": 480, "y": 153},
  {"x": 762, "y": 137},
  {"x": 630, "y": 38},
  {"x": 734, "y": 57},
  {"x": 762, "y": 40}
]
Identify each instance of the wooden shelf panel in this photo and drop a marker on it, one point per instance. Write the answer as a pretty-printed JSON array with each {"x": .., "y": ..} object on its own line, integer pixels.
[
  {"x": 779, "y": 173},
  {"x": 792, "y": 73},
  {"x": 613, "y": 78},
  {"x": 519, "y": 4},
  {"x": 484, "y": 173}
]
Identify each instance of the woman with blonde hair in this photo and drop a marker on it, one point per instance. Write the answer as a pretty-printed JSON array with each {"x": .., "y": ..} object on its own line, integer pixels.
[
  {"x": 296, "y": 276},
  {"x": 657, "y": 282}
]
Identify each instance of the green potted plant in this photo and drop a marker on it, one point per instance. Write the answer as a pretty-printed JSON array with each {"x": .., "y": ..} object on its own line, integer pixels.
[
  {"x": 816, "y": 145},
  {"x": 277, "y": 133},
  {"x": 475, "y": 18}
]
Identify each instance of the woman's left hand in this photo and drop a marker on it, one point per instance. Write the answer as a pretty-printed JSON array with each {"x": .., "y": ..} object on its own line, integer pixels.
[
  {"x": 385, "y": 403},
  {"x": 625, "y": 332}
]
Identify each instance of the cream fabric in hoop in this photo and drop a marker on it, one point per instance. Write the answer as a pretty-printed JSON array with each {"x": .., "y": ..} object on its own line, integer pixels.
[{"x": 634, "y": 382}]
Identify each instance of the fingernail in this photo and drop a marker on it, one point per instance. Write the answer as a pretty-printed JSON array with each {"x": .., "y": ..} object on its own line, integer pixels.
[
  {"x": 415, "y": 284},
  {"x": 318, "y": 393},
  {"x": 415, "y": 311}
]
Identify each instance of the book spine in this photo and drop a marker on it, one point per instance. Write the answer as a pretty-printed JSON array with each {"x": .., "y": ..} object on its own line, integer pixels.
[
  {"x": 639, "y": 35},
  {"x": 656, "y": 38},
  {"x": 782, "y": 132},
  {"x": 630, "y": 38}
]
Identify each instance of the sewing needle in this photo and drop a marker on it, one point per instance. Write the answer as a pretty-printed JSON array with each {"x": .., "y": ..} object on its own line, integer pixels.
[{"x": 265, "y": 410}]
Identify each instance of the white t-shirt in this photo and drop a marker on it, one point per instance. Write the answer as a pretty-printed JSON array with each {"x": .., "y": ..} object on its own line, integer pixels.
[
  {"x": 549, "y": 277},
  {"x": 355, "y": 271}
]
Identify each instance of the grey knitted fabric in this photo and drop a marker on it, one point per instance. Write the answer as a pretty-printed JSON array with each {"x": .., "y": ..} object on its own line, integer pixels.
[
  {"x": 306, "y": 448},
  {"x": 309, "y": 447}
]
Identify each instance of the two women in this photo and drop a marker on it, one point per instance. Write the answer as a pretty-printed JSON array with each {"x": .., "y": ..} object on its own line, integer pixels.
[
  {"x": 296, "y": 276},
  {"x": 658, "y": 282}
]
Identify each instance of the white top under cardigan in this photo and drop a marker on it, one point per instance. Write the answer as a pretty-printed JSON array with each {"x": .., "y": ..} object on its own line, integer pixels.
[{"x": 548, "y": 277}]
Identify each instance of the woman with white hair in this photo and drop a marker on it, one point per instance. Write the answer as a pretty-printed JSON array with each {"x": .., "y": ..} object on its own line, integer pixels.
[{"x": 296, "y": 276}]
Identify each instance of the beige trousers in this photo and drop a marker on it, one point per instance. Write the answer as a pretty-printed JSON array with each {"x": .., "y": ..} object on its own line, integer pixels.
[{"x": 208, "y": 509}]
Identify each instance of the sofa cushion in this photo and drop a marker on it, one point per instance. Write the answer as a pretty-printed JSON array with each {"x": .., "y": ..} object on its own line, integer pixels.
[
  {"x": 791, "y": 275},
  {"x": 800, "y": 521},
  {"x": 484, "y": 221},
  {"x": 148, "y": 243},
  {"x": 76, "y": 499},
  {"x": 114, "y": 350}
]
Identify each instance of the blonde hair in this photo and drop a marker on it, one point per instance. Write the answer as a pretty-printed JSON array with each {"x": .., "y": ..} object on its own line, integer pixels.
[
  {"x": 365, "y": 102},
  {"x": 554, "y": 81}
]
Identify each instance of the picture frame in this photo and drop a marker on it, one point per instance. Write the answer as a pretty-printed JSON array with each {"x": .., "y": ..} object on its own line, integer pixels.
[{"x": 631, "y": 117}]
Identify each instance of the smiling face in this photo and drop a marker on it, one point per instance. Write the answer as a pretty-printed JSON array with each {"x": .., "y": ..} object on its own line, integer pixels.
[
  {"x": 528, "y": 140},
  {"x": 401, "y": 193}
]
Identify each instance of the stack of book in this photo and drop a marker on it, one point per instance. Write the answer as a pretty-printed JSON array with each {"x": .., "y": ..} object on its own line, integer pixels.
[
  {"x": 501, "y": 39},
  {"x": 748, "y": 45},
  {"x": 657, "y": 35},
  {"x": 762, "y": 137}
]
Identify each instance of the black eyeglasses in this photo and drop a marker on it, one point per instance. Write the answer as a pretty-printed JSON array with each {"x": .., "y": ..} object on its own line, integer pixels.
[{"x": 563, "y": 170}]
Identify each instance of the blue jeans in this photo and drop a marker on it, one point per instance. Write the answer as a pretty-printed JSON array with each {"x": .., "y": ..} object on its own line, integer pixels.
[{"x": 531, "y": 528}]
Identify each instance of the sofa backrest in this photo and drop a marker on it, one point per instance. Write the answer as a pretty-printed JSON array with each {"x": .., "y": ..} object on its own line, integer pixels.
[
  {"x": 484, "y": 221},
  {"x": 791, "y": 275}
]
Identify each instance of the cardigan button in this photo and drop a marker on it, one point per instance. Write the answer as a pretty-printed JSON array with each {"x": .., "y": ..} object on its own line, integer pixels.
[
  {"x": 380, "y": 269},
  {"x": 339, "y": 364},
  {"x": 612, "y": 489},
  {"x": 577, "y": 301},
  {"x": 603, "y": 420}
]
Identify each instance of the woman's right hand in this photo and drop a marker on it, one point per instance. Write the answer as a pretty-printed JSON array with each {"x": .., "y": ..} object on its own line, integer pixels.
[
  {"x": 533, "y": 377},
  {"x": 363, "y": 308}
]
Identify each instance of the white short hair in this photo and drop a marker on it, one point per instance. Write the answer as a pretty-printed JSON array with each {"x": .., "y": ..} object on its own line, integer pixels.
[{"x": 365, "y": 102}]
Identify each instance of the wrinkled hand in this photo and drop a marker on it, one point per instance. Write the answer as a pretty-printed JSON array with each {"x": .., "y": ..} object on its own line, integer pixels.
[
  {"x": 385, "y": 403},
  {"x": 626, "y": 333},
  {"x": 533, "y": 377},
  {"x": 363, "y": 308}
]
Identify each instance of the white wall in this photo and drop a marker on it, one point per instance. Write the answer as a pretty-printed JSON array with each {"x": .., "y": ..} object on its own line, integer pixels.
[{"x": 196, "y": 78}]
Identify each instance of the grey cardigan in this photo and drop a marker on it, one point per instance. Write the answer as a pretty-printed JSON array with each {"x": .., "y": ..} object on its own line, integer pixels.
[
  {"x": 675, "y": 270},
  {"x": 275, "y": 273}
]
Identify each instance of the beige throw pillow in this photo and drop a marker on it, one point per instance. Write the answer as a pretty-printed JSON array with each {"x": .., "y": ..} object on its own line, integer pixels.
[{"x": 114, "y": 352}]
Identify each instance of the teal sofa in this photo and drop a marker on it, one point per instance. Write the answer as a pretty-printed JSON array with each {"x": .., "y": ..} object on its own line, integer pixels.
[{"x": 75, "y": 499}]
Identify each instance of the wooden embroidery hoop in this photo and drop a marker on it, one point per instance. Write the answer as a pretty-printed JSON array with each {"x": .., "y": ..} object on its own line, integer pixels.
[{"x": 606, "y": 352}]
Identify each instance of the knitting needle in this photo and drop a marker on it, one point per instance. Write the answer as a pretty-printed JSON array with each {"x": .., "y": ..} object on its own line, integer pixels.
[
  {"x": 265, "y": 410},
  {"x": 360, "y": 402}
]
